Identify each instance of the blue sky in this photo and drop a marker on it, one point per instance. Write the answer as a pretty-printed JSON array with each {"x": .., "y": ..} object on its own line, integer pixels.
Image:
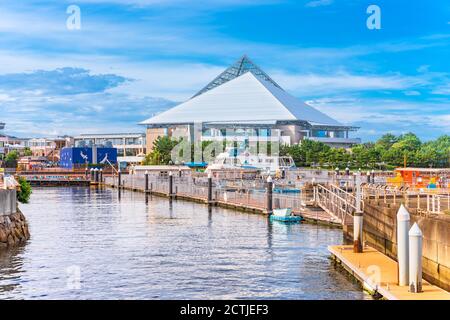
[{"x": 134, "y": 58}]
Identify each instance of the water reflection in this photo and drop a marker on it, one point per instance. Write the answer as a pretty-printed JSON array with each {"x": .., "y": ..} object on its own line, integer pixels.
[{"x": 131, "y": 245}]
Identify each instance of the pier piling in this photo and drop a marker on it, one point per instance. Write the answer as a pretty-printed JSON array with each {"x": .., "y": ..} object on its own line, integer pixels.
[
  {"x": 415, "y": 259},
  {"x": 358, "y": 218},
  {"x": 403, "y": 219},
  {"x": 146, "y": 182},
  {"x": 171, "y": 194},
  {"x": 269, "y": 195},
  {"x": 210, "y": 200}
]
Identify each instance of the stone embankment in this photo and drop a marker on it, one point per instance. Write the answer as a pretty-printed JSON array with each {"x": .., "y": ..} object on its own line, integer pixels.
[{"x": 13, "y": 225}]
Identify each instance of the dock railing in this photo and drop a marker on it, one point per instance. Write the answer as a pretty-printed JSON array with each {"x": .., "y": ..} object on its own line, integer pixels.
[
  {"x": 425, "y": 201},
  {"x": 197, "y": 188},
  {"x": 337, "y": 202}
]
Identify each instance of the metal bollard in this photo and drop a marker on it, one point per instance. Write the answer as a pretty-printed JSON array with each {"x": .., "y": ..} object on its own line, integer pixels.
[
  {"x": 269, "y": 195},
  {"x": 92, "y": 175},
  {"x": 403, "y": 219},
  {"x": 368, "y": 177},
  {"x": 96, "y": 175},
  {"x": 415, "y": 259},
  {"x": 347, "y": 171},
  {"x": 101, "y": 175},
  {"x": 119, "y": 179}
]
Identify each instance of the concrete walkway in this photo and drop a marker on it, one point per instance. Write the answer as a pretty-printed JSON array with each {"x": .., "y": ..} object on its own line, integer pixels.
[{"x": 378, "y": 273}]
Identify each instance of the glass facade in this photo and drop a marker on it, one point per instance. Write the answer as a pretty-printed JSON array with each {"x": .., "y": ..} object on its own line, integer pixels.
[{"x": 240, "y": 67}]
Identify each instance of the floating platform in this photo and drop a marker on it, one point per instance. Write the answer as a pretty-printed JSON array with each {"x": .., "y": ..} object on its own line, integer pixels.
[
  {"x": 379, "y": 275},
  {"x": 289, "y": 219},
  {"x": 59, "y": 183}
]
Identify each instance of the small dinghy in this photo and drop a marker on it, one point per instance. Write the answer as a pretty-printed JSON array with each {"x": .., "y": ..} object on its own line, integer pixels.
[{"x": 284, "y": 215}]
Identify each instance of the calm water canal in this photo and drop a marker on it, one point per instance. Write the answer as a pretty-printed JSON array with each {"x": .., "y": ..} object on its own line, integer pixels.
[{"x": 121, "y": 248}]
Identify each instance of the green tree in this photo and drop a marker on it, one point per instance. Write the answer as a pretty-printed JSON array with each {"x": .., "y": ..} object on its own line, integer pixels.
[
  {"x": 24, "y": 193},
  {"x": 27, "y": 152},
  {"x": 11, "y": 159},
  {"x": 161, "y": 154},
  {"x": 405, "y": 148},
  {"x": 307, "y": 153},
  {"x": 435, "y": 153},
  {"x": 386, "y": 141}
]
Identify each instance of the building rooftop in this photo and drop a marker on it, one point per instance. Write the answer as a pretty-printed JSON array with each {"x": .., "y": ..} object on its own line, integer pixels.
[
  {"x": 110, "y": 135},
  {"x": 243, "y": 65},
  {"x": 246, "y": 98}
]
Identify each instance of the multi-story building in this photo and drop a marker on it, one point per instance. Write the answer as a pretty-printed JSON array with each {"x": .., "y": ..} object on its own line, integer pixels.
[
  {"x": 10, "y": 143},
  {"x": 243, "y": 104},
  {"x": 49, "y": 147},
  {"x": 131, "y": 147}
]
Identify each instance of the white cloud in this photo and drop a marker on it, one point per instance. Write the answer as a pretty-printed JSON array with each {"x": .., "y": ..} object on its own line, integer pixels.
[
  {"x": 423, "y": 68},
  {"x": 411, "y": 93},
  {"x": 318, "y": 3},
  {"x": 442, "y": 90},
  {"x": 316, "y": 84},
  {"x": 387, "y": 114}
]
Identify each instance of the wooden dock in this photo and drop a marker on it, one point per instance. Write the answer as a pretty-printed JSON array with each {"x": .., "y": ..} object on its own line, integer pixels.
[{"x": 378, "y": 274}]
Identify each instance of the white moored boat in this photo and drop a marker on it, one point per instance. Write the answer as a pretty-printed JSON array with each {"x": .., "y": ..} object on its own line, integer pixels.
[{"x": 232, "y": 158}]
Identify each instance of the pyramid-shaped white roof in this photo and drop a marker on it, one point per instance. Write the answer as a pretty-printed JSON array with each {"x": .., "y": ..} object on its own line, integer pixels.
[
  {"x": 241, "y": 66},
  {"x": 245, "y": 99}
]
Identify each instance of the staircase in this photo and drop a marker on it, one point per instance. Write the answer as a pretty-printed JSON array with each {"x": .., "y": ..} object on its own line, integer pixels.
[{"x": 338, "y": 203}]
